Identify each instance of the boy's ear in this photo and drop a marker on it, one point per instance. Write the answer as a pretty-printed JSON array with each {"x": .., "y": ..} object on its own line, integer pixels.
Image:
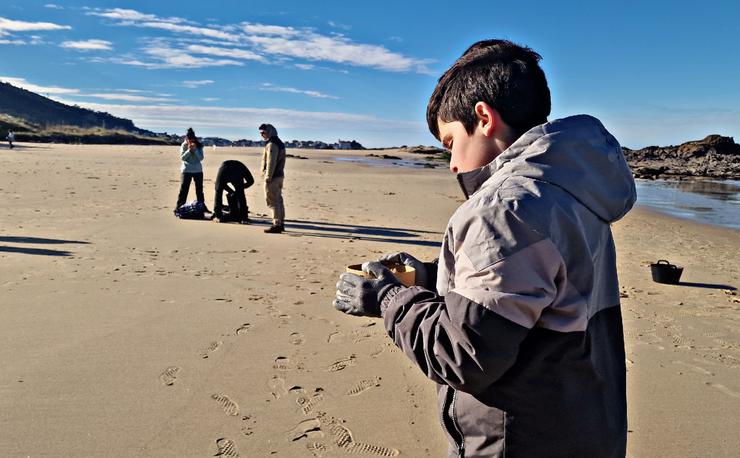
[{"x": 486, "y": 116}]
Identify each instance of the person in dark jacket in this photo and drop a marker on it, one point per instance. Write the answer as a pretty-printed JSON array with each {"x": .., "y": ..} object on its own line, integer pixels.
[
  {"x": 233, "y": 178},
  {"x": 520, "y": 323}
]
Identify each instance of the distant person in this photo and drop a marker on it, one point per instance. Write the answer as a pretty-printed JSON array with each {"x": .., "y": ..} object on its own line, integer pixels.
[
  {"x": 233, "y": 178},
  {"x": 273, "y": 165},
  {"x": 191, "y": 153},
  {"x": 10, "y": 138},
  {"x": 519, "y": 324}
]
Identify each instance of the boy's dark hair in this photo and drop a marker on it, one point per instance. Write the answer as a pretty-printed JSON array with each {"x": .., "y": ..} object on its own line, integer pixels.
[{"x": 504, "y": 75}]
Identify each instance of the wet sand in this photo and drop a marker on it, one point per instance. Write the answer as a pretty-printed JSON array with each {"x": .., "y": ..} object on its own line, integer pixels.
[{"x": 127, "y": 332}]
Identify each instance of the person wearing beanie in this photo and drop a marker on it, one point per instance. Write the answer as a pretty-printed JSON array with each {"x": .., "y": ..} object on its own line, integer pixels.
[{"x": 191, "y": 154}]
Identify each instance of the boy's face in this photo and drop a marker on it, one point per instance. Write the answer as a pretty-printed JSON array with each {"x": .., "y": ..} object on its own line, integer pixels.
[{"x": 469, "y": 152}]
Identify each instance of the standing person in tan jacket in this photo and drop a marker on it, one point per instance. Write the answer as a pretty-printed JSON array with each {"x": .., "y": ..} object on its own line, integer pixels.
[{"x": 273, "y": 165}]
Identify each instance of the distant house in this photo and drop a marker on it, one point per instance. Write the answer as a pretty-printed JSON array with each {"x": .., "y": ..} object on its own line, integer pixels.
[{"x": 344, "y": 144}]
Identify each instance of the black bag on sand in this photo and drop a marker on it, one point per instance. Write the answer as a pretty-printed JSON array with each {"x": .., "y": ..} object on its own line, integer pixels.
[{"x": 191, "y": 210}]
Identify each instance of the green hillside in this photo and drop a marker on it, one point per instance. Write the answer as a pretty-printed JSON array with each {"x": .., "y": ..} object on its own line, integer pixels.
[{"x": 35, "y": 118}]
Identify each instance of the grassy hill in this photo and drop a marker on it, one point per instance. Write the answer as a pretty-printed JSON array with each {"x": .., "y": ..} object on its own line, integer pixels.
[{"x": 36, "y": 118}]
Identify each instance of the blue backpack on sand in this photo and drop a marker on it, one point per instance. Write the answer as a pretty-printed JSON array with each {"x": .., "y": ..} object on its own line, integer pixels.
[{"x": 191, "y": 210}]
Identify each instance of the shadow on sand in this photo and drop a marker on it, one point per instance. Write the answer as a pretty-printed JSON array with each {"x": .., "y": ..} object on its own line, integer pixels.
[
  {"x": 36, "y": 251},
  {"x": 706, "y": 285},
  {"x": 300, "y": 228},
  {"x": 36, "y": 240}
]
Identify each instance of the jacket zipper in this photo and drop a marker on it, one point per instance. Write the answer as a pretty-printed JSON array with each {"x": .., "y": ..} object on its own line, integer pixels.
[{"x": 449, "y": 421}]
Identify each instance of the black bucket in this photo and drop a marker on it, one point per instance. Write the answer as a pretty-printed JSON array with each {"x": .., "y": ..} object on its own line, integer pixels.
[{"x": 665, "y": 272}]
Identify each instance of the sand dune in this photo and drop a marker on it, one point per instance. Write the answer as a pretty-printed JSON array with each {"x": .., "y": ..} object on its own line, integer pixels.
[{"x": 127, "y": 332}]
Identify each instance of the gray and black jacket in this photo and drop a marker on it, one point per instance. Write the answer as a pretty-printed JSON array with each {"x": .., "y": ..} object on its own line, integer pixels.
[{"x": 524, "y": 333}]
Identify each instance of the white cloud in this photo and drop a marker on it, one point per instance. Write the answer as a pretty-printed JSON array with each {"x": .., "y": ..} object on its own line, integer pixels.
[
  {"x": 272, "y": 88},
  {"x": 124, "y": 14},
  {"x": 225, "y": 52},
  {"x": 23, "y": 84},
  {"x": 127, "y": 97},
  {"x": 337, "y": 25},
  {"x": 88, "y": 45},
  {"x": 210, "y": 99},
  {"x": 53, "y": 6},
  {"x": 168, "y": 117},
  {"x": 189, "y": 29},
  {"x": 129, "y": 17},
  {"x": 8, "y": 25},
  {"x": 165, "y": 56},
  {"x": 168, "y": 57},
  {"x": 262, "y": 29},
  {"x": 305, "y": 66},
  {"x": 13, "y": 42},
  {"x": 338, "y": 49},
  {"x": 262, "y": 42},
  {"x": 193, "y": 84}
]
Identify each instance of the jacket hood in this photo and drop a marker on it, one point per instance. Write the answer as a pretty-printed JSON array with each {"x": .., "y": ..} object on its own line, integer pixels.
[
  {"x": 576, "y": 154},
  {"x": 270, "y": 129}
]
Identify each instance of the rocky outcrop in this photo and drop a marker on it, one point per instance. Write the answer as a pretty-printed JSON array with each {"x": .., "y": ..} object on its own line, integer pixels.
[{"x": 714, "y": 157}]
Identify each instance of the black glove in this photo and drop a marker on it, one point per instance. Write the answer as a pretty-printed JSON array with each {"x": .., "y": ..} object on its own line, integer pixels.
[
  {"x": 362, "y": 296},
  {"x": 423, "y": 277}
]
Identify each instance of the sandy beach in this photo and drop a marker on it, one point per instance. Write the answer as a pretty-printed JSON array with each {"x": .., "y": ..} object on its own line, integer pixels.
[{"x": 127, "y": 332}]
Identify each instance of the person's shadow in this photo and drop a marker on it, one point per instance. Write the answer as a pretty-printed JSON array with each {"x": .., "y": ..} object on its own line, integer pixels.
[
  {"x": 36, "y": 241},
  {"x": 303, "y": 228}
]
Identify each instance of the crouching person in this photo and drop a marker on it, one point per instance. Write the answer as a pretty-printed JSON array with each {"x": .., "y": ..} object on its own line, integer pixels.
[
  {"x": 233, "y": 178},
  {"x": 522, "y": 329}
]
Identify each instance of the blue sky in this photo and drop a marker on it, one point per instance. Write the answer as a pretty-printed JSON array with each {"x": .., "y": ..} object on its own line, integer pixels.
[{"x": 656, "y": 73}]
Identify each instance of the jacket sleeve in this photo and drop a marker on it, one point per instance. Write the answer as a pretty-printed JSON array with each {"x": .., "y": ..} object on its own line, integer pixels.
[
  {"x": 272, "y": 160},
  {"x": 471, "y": 336},
  {"x": 199, "y": 154},
  {"x": 185, "y": 153},
  {"x": 248, "y": 178}
]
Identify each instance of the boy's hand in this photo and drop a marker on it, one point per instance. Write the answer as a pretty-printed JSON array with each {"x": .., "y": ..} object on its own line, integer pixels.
[
  {"x": 422, "y": 276},
  {"x": 362, "y": 296}
]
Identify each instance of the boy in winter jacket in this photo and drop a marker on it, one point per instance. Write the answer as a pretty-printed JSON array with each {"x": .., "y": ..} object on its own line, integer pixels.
[{"x": 519, "y": 324}]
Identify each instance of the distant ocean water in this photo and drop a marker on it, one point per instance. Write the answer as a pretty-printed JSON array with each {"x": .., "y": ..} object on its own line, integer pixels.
[{"x": 715, "y": 202}]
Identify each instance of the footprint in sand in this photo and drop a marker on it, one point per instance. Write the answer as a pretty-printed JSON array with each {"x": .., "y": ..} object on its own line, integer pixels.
[
  {"x": 310, "y": 428},
  {"x": 282, "y": 363},
  {"x": 363, "y": 385},
  {"x": 243, "y": 329},
  {"x": 343, "y": 438},
  {"x": 318, "y": 449},
  {"x": 229, "y": 406},
  {"x": 169, "y": 375},
  {"x": 378, "y": 350},
  {"x": 694, "y": 368},
  {"x": 680, "y": 341},
  {"x": 213, "y": 346},
  {"x": 308, "y": 403},
  {"x": 342, "y": 364},
  {"x": 723, "y": 389},
  {"x": 247, "y": 426},
  {"x": 226, "y": 448},
  {"x": 296, "y": 338},
  {"x": 334, "y": 337},
  {"x": 278, "y": 388}
]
